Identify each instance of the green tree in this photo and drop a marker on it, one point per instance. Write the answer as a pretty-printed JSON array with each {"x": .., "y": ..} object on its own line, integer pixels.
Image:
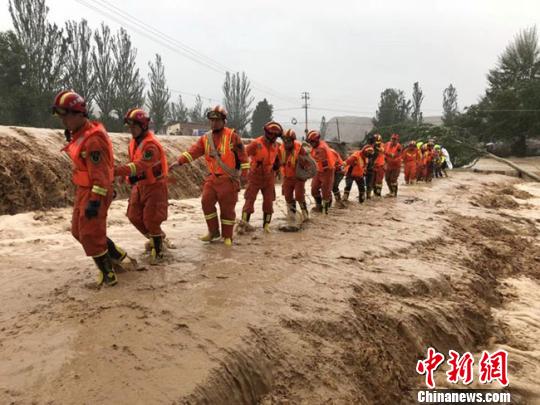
[
  {"x": 44, "y": 49},
  {"x": 450, "y": 105},
  {"x": 104, "y": 70},
  {"x": 159, "y": 94},
  {"x": 417, "y": 98},
  {"x": 178, "y": 112},
  {"x": 196, "y": 113},
  {"x": 510, "y": 109},
  {"x": 128, "y": 84},
  {"x": 15, "y": 103},
  {"x": 261, "y": 115},
  {"x": 393, "y": 109},
  {"x": 237, "y": 100},
  {"x": 79, "y": 74},
  {"x": 324, "y": 127}
]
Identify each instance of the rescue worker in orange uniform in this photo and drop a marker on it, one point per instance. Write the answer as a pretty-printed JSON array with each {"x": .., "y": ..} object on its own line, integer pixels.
[
  {"x": 339, "y": 173},
  {"x": 378, "y": 166},
  {"x": 420, "y": 166},
  {"x": 91, "y": 152},
  {"x": 410, "y": 157},
  {"x": 369, "y": 173},
  {"x": 292, "y": 188},
  {"x": 355, "y": 170},
  {"x": 263, "y": 154},
  {"x": 322, "y": 183},
  {"x": 147, "y": 173},
  {"x": 228, "y": 165},
  {"x": 393, "y": 159},
  {"x": 429, "y": 161}
]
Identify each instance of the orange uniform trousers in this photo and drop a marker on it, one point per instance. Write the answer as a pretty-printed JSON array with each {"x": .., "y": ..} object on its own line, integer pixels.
[
  {"x": 293, "y": 190},
  {"x": 265, "y": 183},
  {"x": 222, "y": 190},
  {"x": 148, "y": 206},
  {"x": 410, "y": 171},
  {"x": 90, "y": 232},
  {"x": 322, "y": 184}
]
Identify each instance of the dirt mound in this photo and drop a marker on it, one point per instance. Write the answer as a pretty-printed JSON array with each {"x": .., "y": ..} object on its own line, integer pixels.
[
  {"x": 35, "y": 175},
  {"x": 521, "y": 194},
  {"x": 494, "y": 201}
]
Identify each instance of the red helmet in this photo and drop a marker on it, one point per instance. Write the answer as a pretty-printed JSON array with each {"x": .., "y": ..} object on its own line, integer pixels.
[
  {"x": 313, "y": 136},
  {"x": 137, "y": 116},
  {"x": 289, "y": 135},
  {"x": 216, "y": 113},
  {"x": 273, "y": 127},
  {"x": 68, "y": 101},
  {"x": 395, "y": 136}
]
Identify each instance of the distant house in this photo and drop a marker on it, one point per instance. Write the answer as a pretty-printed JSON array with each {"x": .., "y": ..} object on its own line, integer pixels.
[{"x": 187, "y": 128}]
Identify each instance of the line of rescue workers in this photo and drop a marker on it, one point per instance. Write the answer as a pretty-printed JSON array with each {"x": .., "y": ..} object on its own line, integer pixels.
[{"x": 231, "y": 165}]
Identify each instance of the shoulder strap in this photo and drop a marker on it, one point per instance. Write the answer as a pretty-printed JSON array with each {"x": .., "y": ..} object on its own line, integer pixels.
[{"x": 214, "y": 154}]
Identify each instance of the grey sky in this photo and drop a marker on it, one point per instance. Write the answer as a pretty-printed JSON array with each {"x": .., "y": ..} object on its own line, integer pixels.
[{"x": 344, "y": 52}]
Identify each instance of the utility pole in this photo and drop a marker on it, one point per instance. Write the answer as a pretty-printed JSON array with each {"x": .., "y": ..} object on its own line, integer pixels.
[
  {"x": 338, "y": 135},
  {"x": 305, "y": 97}
]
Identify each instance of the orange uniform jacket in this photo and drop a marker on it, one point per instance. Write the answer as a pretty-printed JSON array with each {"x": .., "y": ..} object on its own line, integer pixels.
[
  {"x": 393, "y": 155},
  {"x": 147, "y": 158},
  {"x": 324, "y": 157},
  {"x": 289, "y": 160},
  {"x": 91, "y": 151},
  {"x": 358, "y": 162},
  {"x": 263, "y": 156},
  {"x": 411, "y": 154},
  {"x": 228, "y": 144},
  {"x": 379, "y": 160},
  {"x": 339, "y": 163}
]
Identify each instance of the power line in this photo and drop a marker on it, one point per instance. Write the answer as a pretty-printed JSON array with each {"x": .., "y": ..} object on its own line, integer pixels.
[{"x": 111, "y": 11}]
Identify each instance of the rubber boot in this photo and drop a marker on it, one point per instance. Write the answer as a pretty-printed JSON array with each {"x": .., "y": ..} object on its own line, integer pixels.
[
  {"x": 209, "y": 237},
  {"x": 325, "y": 205},
  {"x": 368, "y": 193},
  {"x": 345, "y": 196},
  {"x": 318, "y": 205},
  {"x": 339, "y": 202},
  {"x": 227, "y": 242},
  {"x": 106, "y": 275},
  {"x": 395, "y": 190},
  {"x": 305, "y": 212},
  {"x": 244, "y": 225},
  {"x": 377, "y": 191},
  {"x": 266, "y": 222},
  {"x": 361, "y": 196},
  {"x": 116, "y": 253},
  {"x": 291, "y": 211},
  {"x": 156, "y": 254}
]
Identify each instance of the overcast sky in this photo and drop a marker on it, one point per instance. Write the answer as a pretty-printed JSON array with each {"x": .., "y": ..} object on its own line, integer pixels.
[{"x": 344, "y": 52}]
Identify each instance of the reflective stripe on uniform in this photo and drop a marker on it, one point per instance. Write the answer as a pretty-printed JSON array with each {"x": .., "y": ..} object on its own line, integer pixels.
[
  {"x": 99, "y": 190},
  {"x": 244, "y": 166},
  {"x": 227, "y": 221},
  {"x": 188, "y": 156},
  {"x": 133, "y": 168},
  {"x": 211, "y": 216}
]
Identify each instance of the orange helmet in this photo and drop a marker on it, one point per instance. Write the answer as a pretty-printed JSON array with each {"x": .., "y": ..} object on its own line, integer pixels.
[
  {"x": 273, "y": 127},
  {"x": 313, "y": 136},
  {"x": 377, "y": 138},
  {"x": 68, "y": 101},
  {"x": 216, "y": 113},
  {"x": 368, "y": 150},
  {"x": 137, "y": 116},
  {"x": 395, "y": 136},
  {"x": 289, "y": 135}
]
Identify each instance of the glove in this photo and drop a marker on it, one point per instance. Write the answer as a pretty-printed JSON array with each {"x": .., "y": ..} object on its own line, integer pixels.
[
  {"x": 134, "y": 179},
  {"x": 67, "y": 135},
  {"x": 92, "y": 209}
]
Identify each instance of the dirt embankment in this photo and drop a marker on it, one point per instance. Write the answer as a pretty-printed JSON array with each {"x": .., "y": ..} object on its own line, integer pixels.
[
  {"x": 339, "y": 313},
  {"x": 35, "y": 175}
]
